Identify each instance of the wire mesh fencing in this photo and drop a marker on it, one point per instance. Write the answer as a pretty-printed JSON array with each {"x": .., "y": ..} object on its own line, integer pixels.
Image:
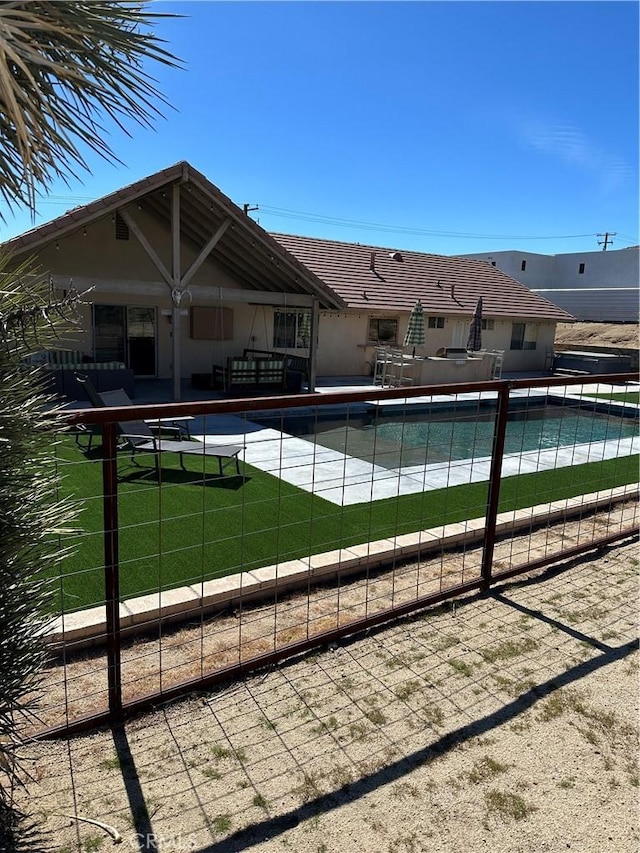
[{"x": 246, "y": 531}]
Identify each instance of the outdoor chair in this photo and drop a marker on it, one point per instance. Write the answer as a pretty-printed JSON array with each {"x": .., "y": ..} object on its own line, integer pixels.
[
  {"x": 381, "y": 364},
  {"x": 140, "y": 437},
  {"x": 120, "y": 397}
]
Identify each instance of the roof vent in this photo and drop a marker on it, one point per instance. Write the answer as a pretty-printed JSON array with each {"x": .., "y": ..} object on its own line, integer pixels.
[
  {"x": 122, "y": 229},
  {"x": 372, "y": 262},
  {"x": 396, "y": 256}
]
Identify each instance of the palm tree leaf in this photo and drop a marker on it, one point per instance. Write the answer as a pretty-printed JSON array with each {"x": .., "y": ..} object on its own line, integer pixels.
[{"x": 64, "y": 67}]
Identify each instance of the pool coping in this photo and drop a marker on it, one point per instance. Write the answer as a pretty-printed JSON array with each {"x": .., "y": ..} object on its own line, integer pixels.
[{"x": 86, "y": 628}]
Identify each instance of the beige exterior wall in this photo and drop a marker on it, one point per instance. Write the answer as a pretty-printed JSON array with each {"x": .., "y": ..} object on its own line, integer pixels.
[
  {"x": 252, "y": 328},
  {"x": 119, "y": 272},
  {"x": 94, "y": 251},
  {"x": 343, "y": 349}
]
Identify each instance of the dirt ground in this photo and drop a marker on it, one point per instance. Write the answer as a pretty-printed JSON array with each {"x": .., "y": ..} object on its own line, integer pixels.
[
  {"x": 506, "y": 722},
  {"x": 160, "y": 659},
  {"x": 625, "y": 335}
]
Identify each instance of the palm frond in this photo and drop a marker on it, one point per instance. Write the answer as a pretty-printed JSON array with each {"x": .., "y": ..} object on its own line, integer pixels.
[{"x": 64, "y": 67}]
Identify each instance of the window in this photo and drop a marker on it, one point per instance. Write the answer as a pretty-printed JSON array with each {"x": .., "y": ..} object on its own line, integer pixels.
[
  {"x": 487, "y": 325},
  {"x": 523, "y": 336},
  {"x": 122, "y": 229},
  {"x": 291, "y": 329},
  {"x": 383, "y": 330},
  {"x": 523, "y": 266},
  {"x": 435, "y": 323},
  {"x": 581, "y": 269},
  {"x": 493, "y": 263},
  {"x": 126, "y": 333}
]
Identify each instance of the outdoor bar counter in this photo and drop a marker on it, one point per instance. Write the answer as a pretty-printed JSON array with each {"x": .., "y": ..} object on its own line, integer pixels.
[{"x": 433, "y": 370}]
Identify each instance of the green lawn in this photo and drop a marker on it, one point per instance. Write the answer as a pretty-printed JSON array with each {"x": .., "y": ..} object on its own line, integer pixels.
[
  {"x": 621, "y": 396},
  {"x": 198, "y": 527}
]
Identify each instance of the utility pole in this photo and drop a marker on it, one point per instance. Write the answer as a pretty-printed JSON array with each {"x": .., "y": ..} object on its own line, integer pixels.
[
  {"x": 607, "y": 235},
  {"x": 247, "y": 209}
]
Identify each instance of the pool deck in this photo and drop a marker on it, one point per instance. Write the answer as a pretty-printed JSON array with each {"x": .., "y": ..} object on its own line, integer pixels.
[{"x": 346, "y": 480}]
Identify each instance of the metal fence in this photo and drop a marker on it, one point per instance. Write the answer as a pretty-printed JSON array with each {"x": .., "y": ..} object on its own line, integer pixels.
[{"x": 345, "y": 510}]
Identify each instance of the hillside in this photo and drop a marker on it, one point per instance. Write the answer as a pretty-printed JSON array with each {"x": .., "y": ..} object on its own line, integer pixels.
[{"x": 626, "y": 335}]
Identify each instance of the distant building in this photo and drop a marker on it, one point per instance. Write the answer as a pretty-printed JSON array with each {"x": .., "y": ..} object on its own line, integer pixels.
[{"x": 597, "y": 286}]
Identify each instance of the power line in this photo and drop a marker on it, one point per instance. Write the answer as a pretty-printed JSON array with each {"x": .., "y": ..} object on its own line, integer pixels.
[
  {"x": 65, "y": 199},
  {"x": 398, "y": 229},
  {"x": 324, "y": 219}
]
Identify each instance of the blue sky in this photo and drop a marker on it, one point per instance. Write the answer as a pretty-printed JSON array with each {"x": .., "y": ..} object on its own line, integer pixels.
[{"x": 449, "y": 127}]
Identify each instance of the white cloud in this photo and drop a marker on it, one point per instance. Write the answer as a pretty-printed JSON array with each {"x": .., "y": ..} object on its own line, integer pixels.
[{"x": 570, "y": 144}]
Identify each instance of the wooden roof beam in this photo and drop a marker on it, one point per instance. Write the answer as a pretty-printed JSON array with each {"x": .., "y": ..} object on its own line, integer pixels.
[
  {"x": 204, "y": 254},
  {"x": 146, "y": 245},
  {"x": 193, "y": 232}
]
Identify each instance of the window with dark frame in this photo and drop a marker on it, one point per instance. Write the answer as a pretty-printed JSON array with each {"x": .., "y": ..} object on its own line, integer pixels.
[
  {"x": 291, "y": 329},
  {"x": 383, "y": 330},
  {"x": 435, "y": 323},
  {"x": 523, "y": 336},
  {"x": 581, "y": 269},
  {"x": 487, "y": 325},
  {"x": 523, "y": 266}
]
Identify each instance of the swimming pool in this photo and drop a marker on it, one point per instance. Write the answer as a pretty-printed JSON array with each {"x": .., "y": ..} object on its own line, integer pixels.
[{"x": 435, "y": 436}]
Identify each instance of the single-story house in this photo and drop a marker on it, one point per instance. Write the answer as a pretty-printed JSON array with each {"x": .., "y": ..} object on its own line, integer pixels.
[
  {"x": 380, "y": 286},
  {"x": 175, "y": 278}
]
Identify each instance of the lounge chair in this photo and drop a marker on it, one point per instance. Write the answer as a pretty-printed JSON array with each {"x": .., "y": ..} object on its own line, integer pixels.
[{"x": 139, "y": 437}]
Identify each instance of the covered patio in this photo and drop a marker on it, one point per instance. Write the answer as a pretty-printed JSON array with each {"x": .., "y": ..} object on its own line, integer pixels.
[{"x": 173, "y": 276}]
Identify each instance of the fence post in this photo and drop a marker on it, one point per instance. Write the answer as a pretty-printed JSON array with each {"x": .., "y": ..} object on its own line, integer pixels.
[
  {"x": 494, "y": 485},
  {"x": 111, "y": 567}
]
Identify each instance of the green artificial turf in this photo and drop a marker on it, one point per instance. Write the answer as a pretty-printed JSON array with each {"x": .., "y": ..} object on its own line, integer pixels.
[
  {"x": 622, "y": 396},
  {"x": 199, "y": 525}
]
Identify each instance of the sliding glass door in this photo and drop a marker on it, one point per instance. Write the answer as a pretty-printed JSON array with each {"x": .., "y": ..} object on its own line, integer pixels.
[
  {"x": 141, "y": 340},
  {"x": 126, "y": 333}
]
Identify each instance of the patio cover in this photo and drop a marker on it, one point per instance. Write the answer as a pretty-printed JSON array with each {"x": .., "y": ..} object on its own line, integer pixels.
[{"x": 196, "y": 211}]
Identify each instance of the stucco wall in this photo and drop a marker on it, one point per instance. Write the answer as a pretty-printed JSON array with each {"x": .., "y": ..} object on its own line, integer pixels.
[
  {"x": 94, "y": 251},
  {"x": 252, "y": 327},
  {"x": 343, "y": 351}
]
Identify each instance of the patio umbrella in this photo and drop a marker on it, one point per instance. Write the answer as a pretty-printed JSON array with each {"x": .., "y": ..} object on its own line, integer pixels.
[
  {"x": 415, "y": 330},
  {"x": 474, "y": 341}
]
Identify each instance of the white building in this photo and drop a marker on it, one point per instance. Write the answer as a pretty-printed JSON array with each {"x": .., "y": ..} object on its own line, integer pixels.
[{"x": 597, "y": 286}]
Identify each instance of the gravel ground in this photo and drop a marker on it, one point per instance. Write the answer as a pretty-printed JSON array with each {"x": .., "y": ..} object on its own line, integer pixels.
[{"x": 505, "y": 722}]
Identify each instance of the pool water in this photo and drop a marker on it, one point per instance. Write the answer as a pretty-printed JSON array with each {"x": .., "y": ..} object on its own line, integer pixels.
[{"x": 417, "y": 440}]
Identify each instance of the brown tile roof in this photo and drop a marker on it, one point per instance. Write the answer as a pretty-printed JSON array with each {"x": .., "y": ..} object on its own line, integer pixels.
[{"x": 445, "y": 285}]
